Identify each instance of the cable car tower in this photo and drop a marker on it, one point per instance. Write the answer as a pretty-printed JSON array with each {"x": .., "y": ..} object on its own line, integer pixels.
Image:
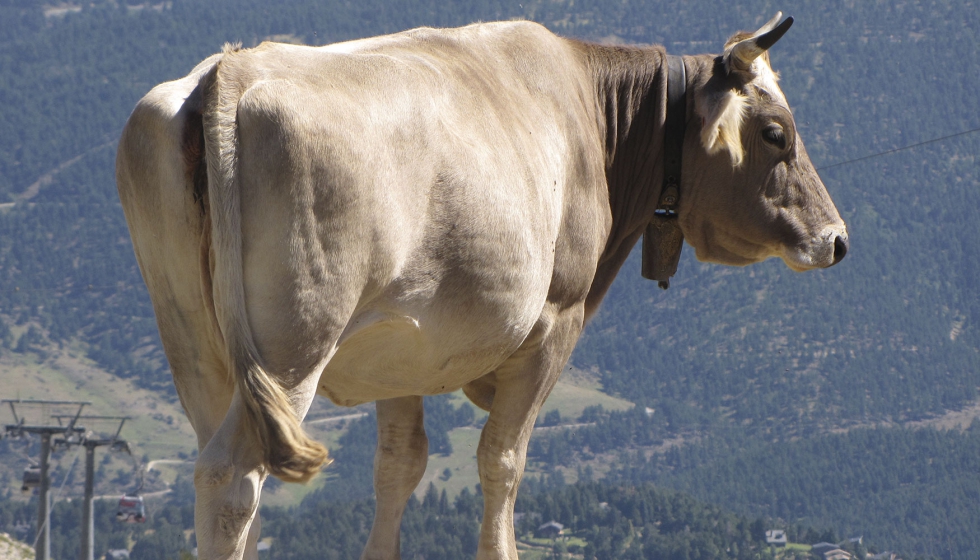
[
  {"x": 71, "y": 434},
  {"x": 87, "y": 551}
]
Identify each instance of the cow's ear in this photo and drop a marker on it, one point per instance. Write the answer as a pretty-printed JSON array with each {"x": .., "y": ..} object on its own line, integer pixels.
[
  {"x": 721, "y": 123},
  {"x": 744, "y": 48}
]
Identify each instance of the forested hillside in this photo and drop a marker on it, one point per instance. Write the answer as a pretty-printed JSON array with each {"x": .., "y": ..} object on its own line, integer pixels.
[
  {"x": 600, "y": 522},
  {"x": 915, "y": 490},
  {"x": 740, "y": 365}
]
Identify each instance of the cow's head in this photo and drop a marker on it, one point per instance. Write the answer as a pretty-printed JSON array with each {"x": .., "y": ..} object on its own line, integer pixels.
[{"x": 750, "y": 191}]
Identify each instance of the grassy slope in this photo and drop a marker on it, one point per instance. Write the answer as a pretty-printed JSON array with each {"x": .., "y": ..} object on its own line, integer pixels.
[{"x": 157, "y": 428}]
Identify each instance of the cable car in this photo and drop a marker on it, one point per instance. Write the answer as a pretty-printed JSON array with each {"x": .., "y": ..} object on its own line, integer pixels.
[
  {"x": 120, "y": 446},
  {"x": 32, "y": 477},
  {"x": 60, "y": 444},
  {"x": 131, "y": 509}
]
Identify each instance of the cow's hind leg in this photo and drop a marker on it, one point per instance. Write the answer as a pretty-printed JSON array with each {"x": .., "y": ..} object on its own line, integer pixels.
[
  {"x": 399, "y": 464},
  {"x": 521, "y": 386},
  {"x": 204, "y": 504},
  {"x": 228, "y": 481}
]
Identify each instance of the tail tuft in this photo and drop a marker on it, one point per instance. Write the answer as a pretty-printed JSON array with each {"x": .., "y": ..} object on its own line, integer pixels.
[{"x": 290, "y": 454}]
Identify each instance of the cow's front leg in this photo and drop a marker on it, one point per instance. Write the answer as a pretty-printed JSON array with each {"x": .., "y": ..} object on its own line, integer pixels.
[
  {"x": 523, "y": 383},
  {"x": 399, "y": 463}
]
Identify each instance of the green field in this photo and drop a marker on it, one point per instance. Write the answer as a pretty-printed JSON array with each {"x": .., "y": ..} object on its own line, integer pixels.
[
  {"x": 568, "y": 398},
  {"x": 530, "y": 548}
]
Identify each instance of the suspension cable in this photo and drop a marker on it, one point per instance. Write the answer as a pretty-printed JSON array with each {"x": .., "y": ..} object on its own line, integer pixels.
[{"x": 886, "y": 152}]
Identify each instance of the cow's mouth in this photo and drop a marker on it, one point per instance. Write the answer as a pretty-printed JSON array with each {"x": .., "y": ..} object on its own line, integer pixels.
[{"x": 819, "y": 253}]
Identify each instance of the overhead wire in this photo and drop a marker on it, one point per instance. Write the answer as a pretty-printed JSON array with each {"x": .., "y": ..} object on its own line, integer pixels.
[
  {"x": 88, "y": 288},
  {"x": 892, "y": 151}
]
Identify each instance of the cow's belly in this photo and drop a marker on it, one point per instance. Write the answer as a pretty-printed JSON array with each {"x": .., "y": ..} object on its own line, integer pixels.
[{"x": 392, "y": 354}]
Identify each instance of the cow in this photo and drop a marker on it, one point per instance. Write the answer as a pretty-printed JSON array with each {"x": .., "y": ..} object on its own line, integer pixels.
[{"x": 434, "y": 210}]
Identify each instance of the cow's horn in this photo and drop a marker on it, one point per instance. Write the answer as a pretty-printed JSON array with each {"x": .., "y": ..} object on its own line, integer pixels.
[
  {"x": 746, "y": 51},
  {"x": 770, "y": 37},
  {"x": 769, "y": 26}
]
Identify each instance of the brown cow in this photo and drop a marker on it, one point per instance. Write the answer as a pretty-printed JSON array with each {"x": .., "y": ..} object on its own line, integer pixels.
[{"x": 433, "y": 210}]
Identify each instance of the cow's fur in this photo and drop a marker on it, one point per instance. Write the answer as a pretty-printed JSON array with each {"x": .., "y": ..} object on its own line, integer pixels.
[{"x": 419, "y": 213}]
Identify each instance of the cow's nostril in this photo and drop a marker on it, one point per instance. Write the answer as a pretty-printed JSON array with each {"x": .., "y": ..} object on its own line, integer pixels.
[{"x": 840, "y": 248}]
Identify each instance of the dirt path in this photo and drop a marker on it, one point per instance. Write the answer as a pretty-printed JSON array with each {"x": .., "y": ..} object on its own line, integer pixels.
[
  {"x": 155, "y": 462},
  {"x": 336, "y": 418},
  {"x": 952, "y": 420},
  {"x": 47, "y": 178},
  {"x": 112, "y": 497},
  {"x": 562, "y": 426}
]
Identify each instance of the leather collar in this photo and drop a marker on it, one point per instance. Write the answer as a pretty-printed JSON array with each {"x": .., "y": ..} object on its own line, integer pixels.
[{"x": 674, "y": 128}]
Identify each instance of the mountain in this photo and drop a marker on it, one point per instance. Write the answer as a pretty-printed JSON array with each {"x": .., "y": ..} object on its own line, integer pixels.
[{"x": 759, "y": 357}]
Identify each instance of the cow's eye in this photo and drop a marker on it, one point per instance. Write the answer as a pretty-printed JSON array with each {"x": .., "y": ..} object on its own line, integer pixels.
[{"x": 773, "y": 134}]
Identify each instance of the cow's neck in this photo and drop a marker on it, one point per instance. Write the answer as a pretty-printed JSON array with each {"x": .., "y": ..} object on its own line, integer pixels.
[{"x": 631, "y": 86}]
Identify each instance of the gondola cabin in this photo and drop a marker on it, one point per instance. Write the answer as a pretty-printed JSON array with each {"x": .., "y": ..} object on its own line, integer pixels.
[
  {"x": 131, "y": 509},
  {"x": 32, "y": 478}
]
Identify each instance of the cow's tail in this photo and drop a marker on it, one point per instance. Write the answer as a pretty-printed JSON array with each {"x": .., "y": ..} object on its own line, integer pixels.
[{"x": 289, "y": 453}]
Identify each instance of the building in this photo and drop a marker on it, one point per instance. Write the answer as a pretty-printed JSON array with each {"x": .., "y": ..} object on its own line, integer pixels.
[
  {"x": 822, "y": 547},
  {"x": 550, "y": 530},
  {"x": 775, "y": 537}
]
